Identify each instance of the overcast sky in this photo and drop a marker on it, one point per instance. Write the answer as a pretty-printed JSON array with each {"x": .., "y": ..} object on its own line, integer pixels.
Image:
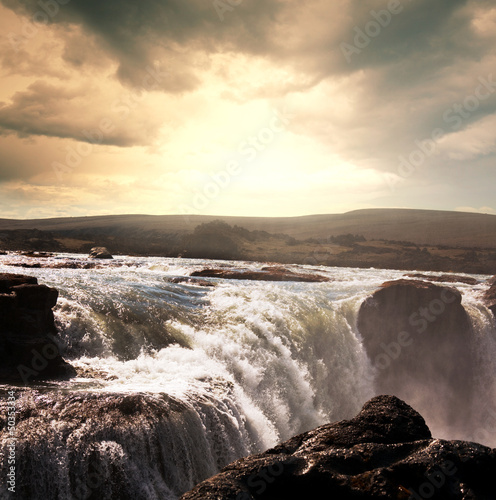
[{"x": 246, "y": 107}]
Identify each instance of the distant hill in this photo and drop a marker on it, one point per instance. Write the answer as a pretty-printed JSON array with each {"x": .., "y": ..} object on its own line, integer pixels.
[{"x": 422, "y": 227}]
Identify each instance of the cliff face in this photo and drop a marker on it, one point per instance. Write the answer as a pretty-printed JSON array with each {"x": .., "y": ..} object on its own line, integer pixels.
[
  {"x": 419, "y": 339},
  {"x": 28, "y": 348},
  {"x": 385, "y": 452}
]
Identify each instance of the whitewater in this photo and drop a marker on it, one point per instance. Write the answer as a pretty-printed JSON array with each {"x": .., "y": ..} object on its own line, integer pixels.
[{"x": 225, "y": 370}]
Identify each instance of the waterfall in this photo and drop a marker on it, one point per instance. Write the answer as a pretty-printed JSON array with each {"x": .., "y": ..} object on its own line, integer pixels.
[{"x": 178, "y": 380}]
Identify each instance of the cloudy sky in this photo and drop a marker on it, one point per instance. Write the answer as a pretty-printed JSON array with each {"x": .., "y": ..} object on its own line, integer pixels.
[{"x": 246, "y": 107}]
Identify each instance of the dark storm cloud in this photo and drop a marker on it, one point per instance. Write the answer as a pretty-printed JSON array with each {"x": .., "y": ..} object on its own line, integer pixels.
[
  {"x": 53, "y": 111},
  {"x": 425, "y": 57},
  {"x": 136, "y": 33},
  {"x": 420, "y": 38},
  {"x": 34, "y": 112},
  {"x": 420, "y": 41},
  {"x": 412, "y": 40},
  {"x": 416, "y": 72}
]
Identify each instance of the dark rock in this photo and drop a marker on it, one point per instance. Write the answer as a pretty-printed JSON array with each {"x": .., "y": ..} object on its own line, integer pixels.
[
  {"x": 445, "y": 278},
  {"x": 265, "y": 274},
  {"x": 385, "y": 452},
  {"x": 100, "y": 253},
  {"x": 28, "y": 347},
  {"x": 36, "y": 296},
  {"x": 192, "y": 281},
  {"x": 112, "y": 446},
  {"x": 383, "y": 419},
  {"x": 490, "y": 295},
  {"x": 8, "y": 281},
  {"x": 61, "y": 265},
  {"x": 37, "y": 255},
  {"x": 419, "y": 339}
]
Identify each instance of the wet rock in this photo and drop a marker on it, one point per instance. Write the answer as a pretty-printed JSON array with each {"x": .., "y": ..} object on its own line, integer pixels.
[
  {"x": 385, "y": 452},
  {"x": 419, "y": 339},
  {"x": 37, "y": 255},
  {"x": 8, "y": 281},
  {"x": 100, "y": 253},
  {"x": 28, "y": 347},
  {"x": 444, "y": 278},
  {"x": 93, "y": 445},
  {"x": 50, "y": 264},
  {"x": 192, "y": 281},
  {"x": 265, "y": 274}
]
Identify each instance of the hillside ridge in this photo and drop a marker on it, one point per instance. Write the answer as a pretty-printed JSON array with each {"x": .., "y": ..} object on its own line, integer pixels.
[{"x": 434, "y": 227}]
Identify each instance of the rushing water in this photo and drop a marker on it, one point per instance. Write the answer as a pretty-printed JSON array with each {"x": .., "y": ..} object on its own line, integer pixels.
[{"x": 216, "y": 373}]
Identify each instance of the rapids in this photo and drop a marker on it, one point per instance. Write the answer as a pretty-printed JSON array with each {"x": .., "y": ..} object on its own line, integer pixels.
[{"x": 205, "y": 375}]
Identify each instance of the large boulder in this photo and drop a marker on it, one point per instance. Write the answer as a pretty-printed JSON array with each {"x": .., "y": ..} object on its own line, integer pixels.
[
  {"x": 28, "y": 347},
  {"x": 385, "y": 452},
  {"x": 100, "y": 253},
  {"x": 419, "y": 339}
]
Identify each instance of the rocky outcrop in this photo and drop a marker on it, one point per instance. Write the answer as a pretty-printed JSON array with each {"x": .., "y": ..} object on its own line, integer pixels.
[
  {"x": 37, "y": 255},
  {"x": 419, "y": 339},
  {"x": 96, "y": 445},
  {"x": 47, "y": 261},
  {"x": 385, "y": 452},
  {"x": 444, "y": 278},
  {"x": 51, "y": 264},
  {"x": 192, "y": 281},
  {"x": 490, "y": 295},
  {"x": 268, "y": 273},
  {"x": 28, "y": 349},
  {"x": 100, "y": 253}
]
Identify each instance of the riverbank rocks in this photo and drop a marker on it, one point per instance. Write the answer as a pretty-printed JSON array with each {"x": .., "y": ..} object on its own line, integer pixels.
[
  {"x": 28, "y": 348},
  {"x": 385, "y": 452},
  {"x": 419, "y": 339},
  {"x": 444, "y": 278},
  {"x": 267, "y": 273},
  {"x": 100, "y": 253}
]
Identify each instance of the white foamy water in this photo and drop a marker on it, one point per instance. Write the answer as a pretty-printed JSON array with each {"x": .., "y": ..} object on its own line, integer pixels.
[{"x": 253, "y": 362}]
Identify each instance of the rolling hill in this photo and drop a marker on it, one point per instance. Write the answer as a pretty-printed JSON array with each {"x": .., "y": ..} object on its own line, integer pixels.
[
  {"x": 422, "y": 227},
  {"x": 388, "y": 238}
]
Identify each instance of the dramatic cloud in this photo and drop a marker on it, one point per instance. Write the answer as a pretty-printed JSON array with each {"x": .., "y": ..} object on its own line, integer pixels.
[
  {"x": 389, "y": 103},
  {"x": 85, "y": 114},
  {"x": 136, "y": 34}
]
